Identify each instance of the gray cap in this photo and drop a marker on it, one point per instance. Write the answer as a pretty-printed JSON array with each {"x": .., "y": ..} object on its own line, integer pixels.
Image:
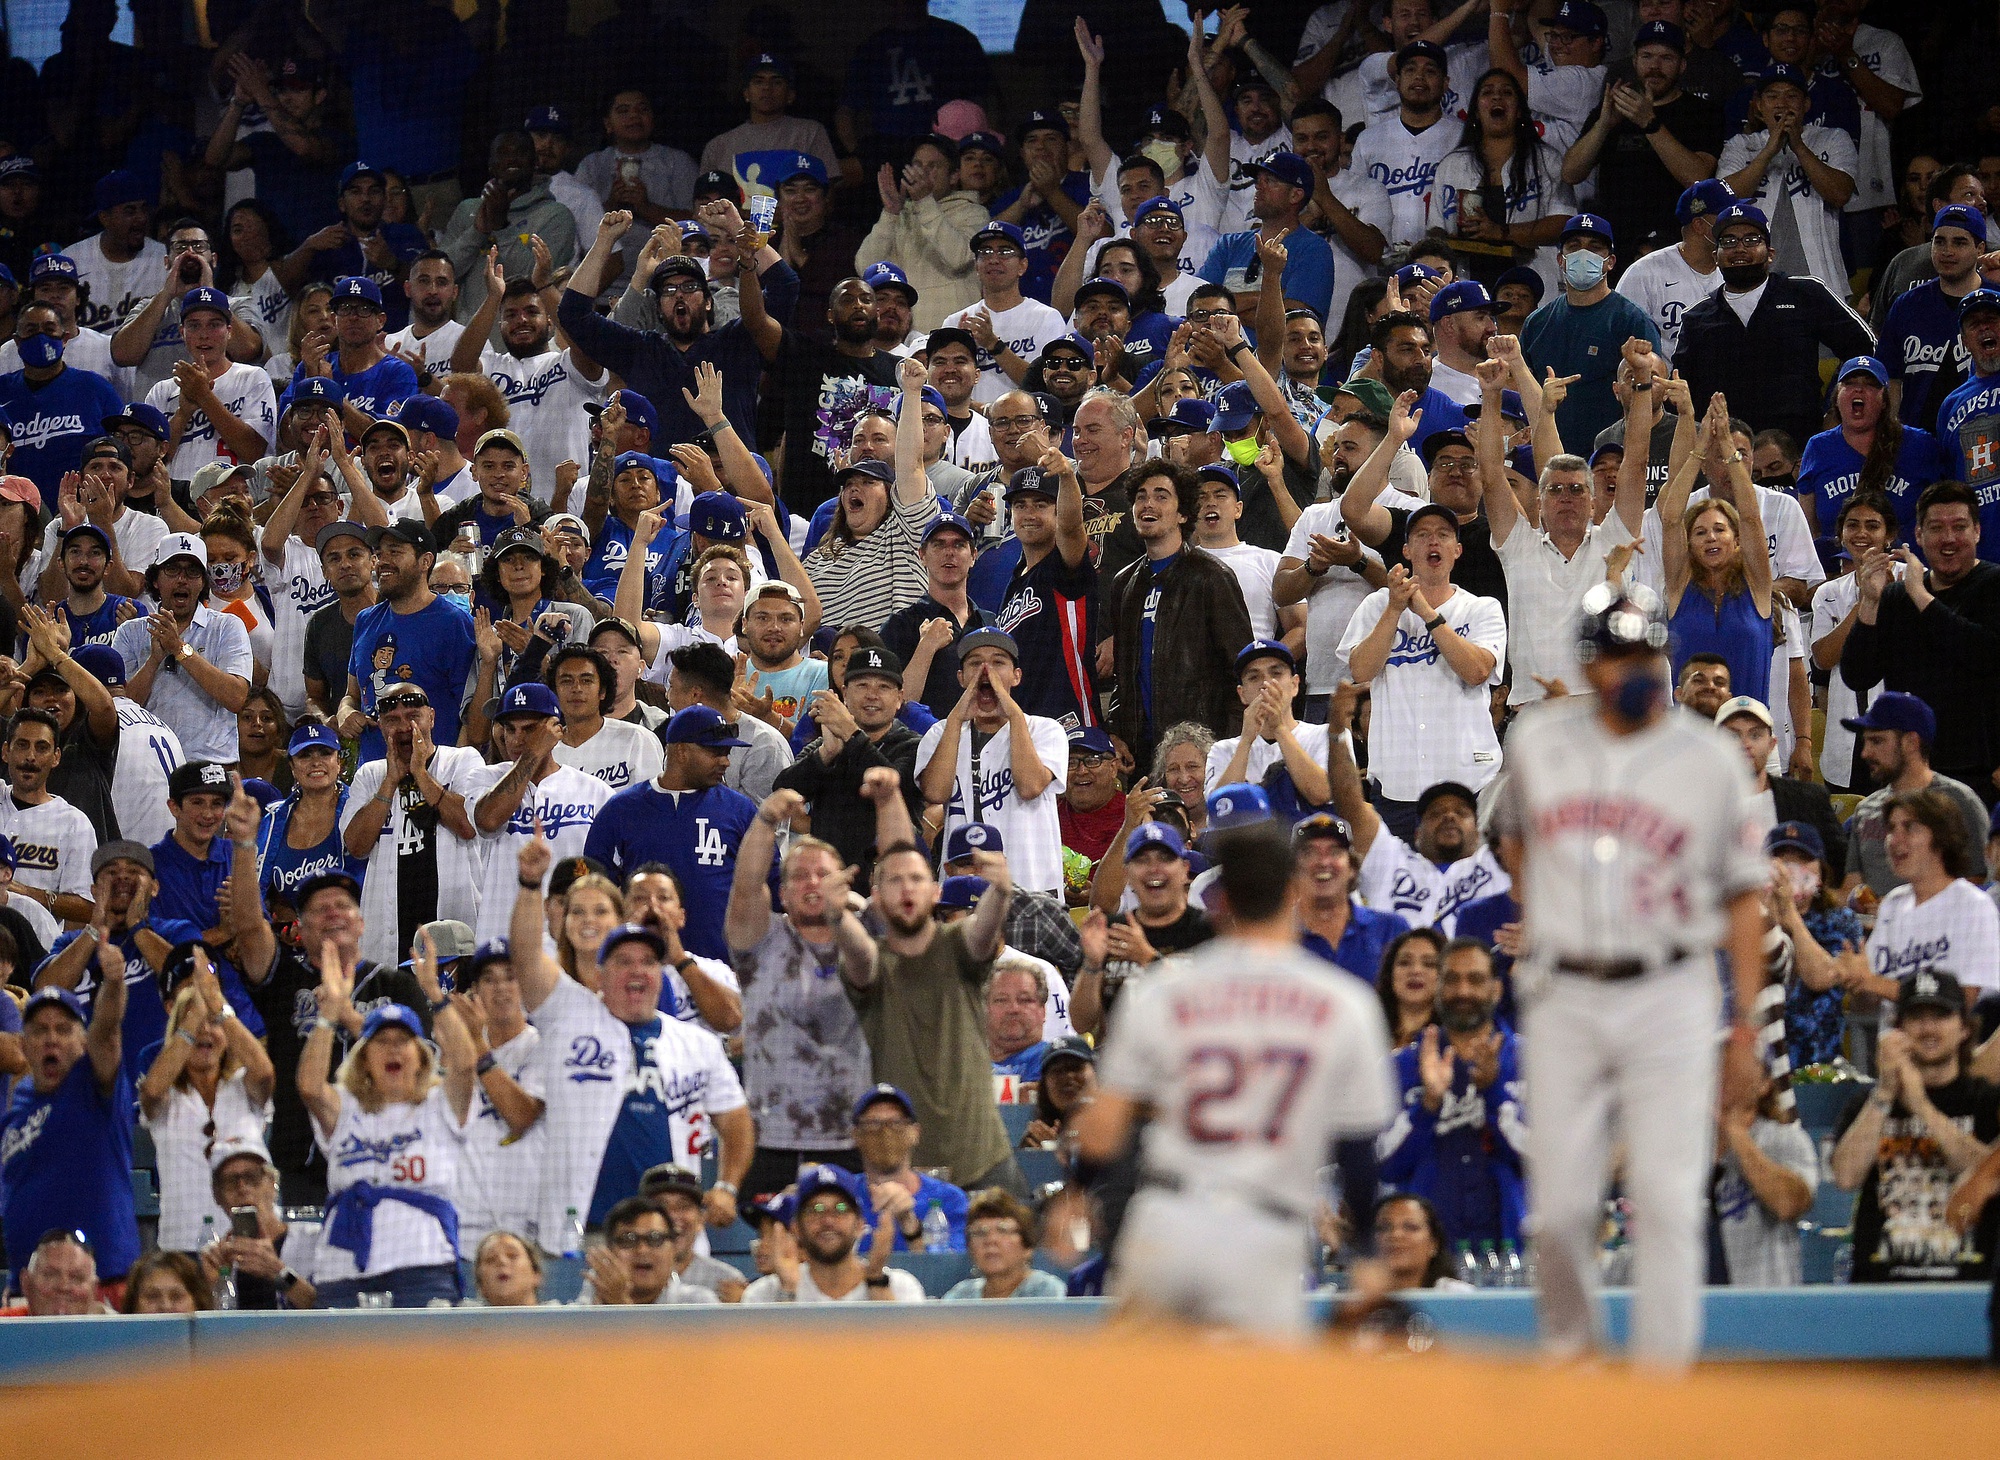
[
  {"x": 451, "y": 938},
  {"x": 120, "y": 851}
]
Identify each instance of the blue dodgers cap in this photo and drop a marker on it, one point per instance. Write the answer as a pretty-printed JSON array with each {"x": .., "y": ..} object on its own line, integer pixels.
[
  {"x": 948, "y": 522},
  {"x": 1191, "y": 415},
  {"x": 356, "y": 289},
  {"x": 1264, "y": 649},
  {"x": 1155, "y": 836},
  {"x": 150, "y": 419},
  {"x": 700, "y": 725},
  {"x": 1866, "y": 365},
  {"x": 547, "y": 119},
  {"x": 1581, "y": 16},
  {"x": 1215, "y": 471},
  {"x": 52, "y": 266},
  {"x": 1099, "y": 285},
  {"x": 8, "y": 856},
  {"x": 969, "y": 837},
  {"x": 932, "y": 396},
  {"x": 1011, "y": 232},
  {"x": 103, "y": 661},
  {"x": 358, "y": 169},
  {"x": 84, "y": 529},
  {"x": 1977, "y": 300},
  {"x": 879, "y": 471},
  {"x": 1091, "y": 740},
  {"x": 1467, "y": 296},
  {"x": 1416, "y": 274},
  {"x": 1235, "y": 408},
  {"x": 52, "y": 996},
  {"x": 1422, "y": 51},
  {"x": 1897, "y": 711},
  {"x": 1783, "y": 73},
  {"x": 1703, "y": 199},
  {"x": 1237, "y": 804},
  {"x": 531, "y": 697},
  {"x": 262, "y": 791},
  {"x": 429, "y": 413},
  {"x": 1661, "y": 33},
  {"x": 771, "y": 1207},
  {"x": 1164, "y": 121},
  {"x": 633, "y": 461},
  {"x": 815, "y": 1179},
  {"x": 885, "y": 1091},
  {"x": 1288, "y": 168},
  {"x": 887, "y": 276},
  {"x": 313, "y": 736},
  {"x": 802, "y": 164},
  {"x": 314, "y": 390},
  {"x": 1794, "y": 836},
  {"x": 718, "y": 517},
  {"x": 961, "y": 894},
  {"x": 117, "y": 188},
  {"x": 986, "y": 142},
  {"x": 1587, "y": 225},
  {"x": 1041, "y": 121},
  {"x": 383, "y": 1015},
  {"x": 205, "y": 296},
  {"x": 1511, "y": 407},
  {"x": 1961, "y": 215},
  {"x": 1322, "y": 824},
  {"x": 767, "y": 61},
  {"x": 1030, "y": 480},
  {"x": 633, "y": 933},
  {"x": 1159, "y": 203},
  {"x": 1742, "y": 212}
]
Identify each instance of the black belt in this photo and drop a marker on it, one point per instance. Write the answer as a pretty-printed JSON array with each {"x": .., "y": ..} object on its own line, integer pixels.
[
  {"x": 1264, "y": 1204},
  {"x": 1617, "y": 970}
]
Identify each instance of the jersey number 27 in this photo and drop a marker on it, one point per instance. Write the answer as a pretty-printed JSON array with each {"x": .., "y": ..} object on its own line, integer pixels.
[{"x": 1236, "y": 1095}]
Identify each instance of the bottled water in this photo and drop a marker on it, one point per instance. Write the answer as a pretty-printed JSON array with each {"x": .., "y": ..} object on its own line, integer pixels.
[
  {"x": 936, "y": 1229},
  {"x": 1510, "y": 1267},
  {"x": 1496, "y": 1276},
  {"x": 1469, "y": 1270},
  {"x": 572, "y": 1233},
  {"x": 225, "y": 1280},
  {"x": 1843, "y": 1263}
]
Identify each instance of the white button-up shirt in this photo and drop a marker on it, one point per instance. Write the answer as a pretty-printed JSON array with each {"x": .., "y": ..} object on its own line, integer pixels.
[{"x": 206, "y": 728}]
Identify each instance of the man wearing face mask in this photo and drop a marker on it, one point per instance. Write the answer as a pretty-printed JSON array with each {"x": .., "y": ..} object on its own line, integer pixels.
[
  {"x": 52, "y": 279},
  {"x": 52, "y": 409},
  {"x": 1583, "y": 332}
]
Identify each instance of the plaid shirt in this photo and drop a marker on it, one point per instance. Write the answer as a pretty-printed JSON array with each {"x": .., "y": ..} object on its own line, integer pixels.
[{"x": 1038, "y": 924}]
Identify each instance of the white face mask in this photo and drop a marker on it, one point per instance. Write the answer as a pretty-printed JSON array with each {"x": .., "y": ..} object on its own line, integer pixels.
[{"x": 226, "y": 579}]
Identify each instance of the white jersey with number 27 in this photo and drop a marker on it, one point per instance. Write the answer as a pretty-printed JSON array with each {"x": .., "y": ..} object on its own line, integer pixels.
[{"x": 1255, "y": 1058}]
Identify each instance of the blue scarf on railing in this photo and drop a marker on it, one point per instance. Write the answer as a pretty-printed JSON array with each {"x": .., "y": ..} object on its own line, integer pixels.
[{"x": 350, "y": 1217}]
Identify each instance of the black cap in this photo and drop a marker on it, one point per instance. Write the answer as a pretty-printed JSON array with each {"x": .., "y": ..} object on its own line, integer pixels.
[
  {"x": 404, "y": 529},
  {"x": 880, "y": 662},
  {"x": 1440, "y": 790},
  {"x": 1930, "y": 988},
  {"x": 1070, "y": 1047},
  {"x": 950, "y": 335},
  {"x": 565, "y": 873},
  {"x": 323, "y": 881},
  {"x": 198, "y": 775}
]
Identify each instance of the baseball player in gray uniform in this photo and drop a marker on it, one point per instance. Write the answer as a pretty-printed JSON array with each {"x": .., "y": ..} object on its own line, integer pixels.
[
  {"x": 1254, "y": 1058},
  {"x": 1622, "y": 822}
]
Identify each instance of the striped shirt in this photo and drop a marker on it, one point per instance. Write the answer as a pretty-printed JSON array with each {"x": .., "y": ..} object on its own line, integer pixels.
[{"x": 866, "y": 581}]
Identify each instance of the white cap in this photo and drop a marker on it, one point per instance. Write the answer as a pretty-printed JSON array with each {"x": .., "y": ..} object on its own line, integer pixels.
[{"x": 181, "y": 545}]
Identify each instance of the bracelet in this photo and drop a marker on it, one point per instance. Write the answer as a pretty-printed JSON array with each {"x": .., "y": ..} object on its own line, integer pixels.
[
  {"x": 1648, "y": 131},
  {"x": 287, "y": 1279},
  {"x": 1230, "y": 353},
  {"x": 486, "y": 1062},
  {"x": 187, "y": 1036},
  {"x": 728, "y": 1186},
  {"x": 438, "y": 1006},
  {"x": 682, "y": 962},
  {"x": 322, "y": 1022},
  {"x": 384, "y": 798},
  {"x": 878, "y": 1280}
]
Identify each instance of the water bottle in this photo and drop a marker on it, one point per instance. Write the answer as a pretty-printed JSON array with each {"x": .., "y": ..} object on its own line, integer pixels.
[
  {"x": 1843, "y": 1263},
  {"x": 1489, "y": 1259},
  {"x": 937, "y": 1229},
  {"x": 1510, "y": 1266},
  {"x": 572, "y": 1233},
  {"x": 1469, "y": 1270},
  {"x": 225, "y": 1279}
]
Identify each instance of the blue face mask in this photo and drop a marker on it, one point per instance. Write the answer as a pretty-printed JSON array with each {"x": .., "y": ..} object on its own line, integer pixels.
[
  {"x": 460, "y": 596},
  {"x": 39, "y": 352},
  {"x": 1583, "y": 269},
  {"x": 1639, "y": 694}
]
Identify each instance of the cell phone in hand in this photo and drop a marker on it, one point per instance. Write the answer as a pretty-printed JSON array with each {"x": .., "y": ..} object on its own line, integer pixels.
[{"x": 243, "y": 1222}]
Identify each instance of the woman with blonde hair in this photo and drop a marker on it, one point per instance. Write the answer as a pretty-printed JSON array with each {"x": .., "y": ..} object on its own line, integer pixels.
[
  {"x": 390, "y": 1126},
  {"x": 1180, "y": 765},
  {"x": 1717, "y": 560},
  {"x": 591, "y": 908},
  {"x": 211, "y": 1081},
  {"x": 312, "y": 312},
  {"x": 506, "y": 1273},
  {"x": 233, "y": 587}
]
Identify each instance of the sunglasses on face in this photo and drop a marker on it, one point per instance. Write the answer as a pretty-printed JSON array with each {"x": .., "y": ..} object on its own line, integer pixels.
[{"x": 631, "y": 1240}]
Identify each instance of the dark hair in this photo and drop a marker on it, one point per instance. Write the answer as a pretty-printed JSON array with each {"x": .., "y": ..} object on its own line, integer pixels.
[
  {"x": 1525, "y": 164},
  {"x": 630, "y": 1212},
  {"x": 708, "y": 665},
  {"x": 1256, "y": 868},
  {"x": 489, "y": 581},
  {"x": 1354, "y": 329},
  {"x": 228, "y": 265},
  {"x": 1439, "y": 1266},
  {"x": 1432, "y": 246},
  {"x": 1705, "y": 658},
  {"x": 1932, "y": 809},
  {"x": 34, "y": 717},
  {"x": 655, "y": 869},
  {"x": 1135, "y": 160},
  {"x": 1939, "y": 192},
  {"x": 1380, "y": 332},
  {"x": 1211, "y": 291},
  {"x": 996, "y": 1201},
  {"x": 607, "y": 677},
  {"x": 519, "y": 288},
  {"x": 1774, "y": 437},
  {"x": 1943, "y": 494},
  {"x": 1148, "y": 300},
  {"x": 1319, "y": 106},
  {"x": 435, "y": 255},
  {"x": 1875, "y": 500},
  {"x": 1187, "y": 488},
  {"x": 181, "y": 1266},
  {"x": 1385, "y": 974},
  {"x": 1461, "y": 945},
  {"x": 864, "y": 637},
  {"x": 896, "y": 849},
  {"x": 612, "y": 93}
]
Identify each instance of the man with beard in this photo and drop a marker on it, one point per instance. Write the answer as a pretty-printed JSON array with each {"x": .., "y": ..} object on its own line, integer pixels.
[
  {"x": 1333, "y": 922},
  {"x": 816, "y": 379},
  {"x": 1161, "y": 920},
  {"x": 1401, "y": 150},
  {"x": 143, "y": 431},
  {"x": 122, "y": 265},
  {"x": 1461, "y": 1138},
  {"x": 858, "y": 733},
  {"x": 347, "y": 569},
  {"x": 97, "y": 497},
  {"x": 410, "y": 637},
  {"x": 545, "y": 388},
  {"x": 187, "y": 663},
  {"x": 84, "y": 712},
  {"x": 1404, "y": 356},
  {"x": 1063, "y": 372},
  {"x": 954, "y": 372},
  {"x": 426, "y": 344},
  {"x": 826, "y": 1228},
  {"x": 1050, "y": 605},
  {"x": 781, "y": 675},
  {"x": 1461, "y": 324},
  {"x": 512, "y": 213},
  {"x": 1284, "y": 186},
  {"x": 660, "y": 366},
  {"x": 1704, "y": 685},
  {"x": 1968, "y": 420},
  {"x": 895, "y": 303},
  {"x": 92, "y": 615},
  {"x": 1326, "y": 567},
  {"x": 1895, "y": 737}
]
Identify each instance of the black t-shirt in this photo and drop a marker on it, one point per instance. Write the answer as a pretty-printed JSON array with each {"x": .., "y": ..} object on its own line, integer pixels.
[
  {"x": 1900, "y": 1234},
  {"x": 84, "y": 777},
  {"x": 813, "y": 377},
  {"x": 1190, "y": 930},
  {"x": 1260, "y": 525},
  {"x": 905, "y": 627},
  {"x": 1635, "y": 192},
  {"x": 329, "y": 641},
  {"x": 1051, "y": 611},
  {"x": 1107, "y": 521},
  {"x": 416, "y": 864},
  {"x": 1478, "y": 570},
  {"x": 285, "y": 1002}
]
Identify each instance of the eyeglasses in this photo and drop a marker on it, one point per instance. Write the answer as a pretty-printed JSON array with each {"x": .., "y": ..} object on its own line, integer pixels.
[
  {"x": 630, "y": 1240},
  {"x": 1456, "y": 465},
  {"x": 932, "y": 418},
  {"x": 687, "y": 289},
  {"x": 1070, "y": 363},
  {"x": 1013, "y": 423},
  {"x": 835, "y": 1208},
  {"x": 997, "y": 251},
  {"x": 1087, "y": 760},
  {"x": 979, "y": 1231},
  {"x": 1202, "y": 316},
  {"x": 1738, "y": 240},
  {"x": 1166, "y": 221},
  {"x": 1567, "y": 489},
  {"x": 320, "y": 499}
]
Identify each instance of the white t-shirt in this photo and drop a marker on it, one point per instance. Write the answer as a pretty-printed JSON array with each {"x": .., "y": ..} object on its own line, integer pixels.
[
  {"x": 1027, "y": 328},
  {"x": 586, "y": 1068},
  {"x": 568, "y": 801},
  {"x": 1786, "y": 185},
  {"x": 1405, "y": 163},
  {"x": 53, "y": 841},
  {"x": 546, "y": 394},
  {"x": 404, "y": 1147},
  {"x": 1333, "y": 600},
  {"x": 1429, "y": 724},
  {"x": 1030, "y": 829},
  {"x": 1832, "y": 601},
  {"x": 1395, "y": 877},
  {"x": 1957, "y": 932},
  {"x": 268, "y": 307},
  {"x": 904, "y": 1287},
  {"x": 1562, "y": 98},
  {"x": 1883, "y": 52},
  {"x": 1254, "y": 568},
  {"x": 148, "y": 755},
  {"x": 500, "y": 1174},
  {"x": 435, "y": 346},
  {"x": 245, "y": 392},
  {"x": 1666, "y": 286},
  {"x": 301, "y": 594},
  {"x": 619, "y": 755},
  {"x": 1263, "y": 755},
  {"x": 107, "y": 293}
]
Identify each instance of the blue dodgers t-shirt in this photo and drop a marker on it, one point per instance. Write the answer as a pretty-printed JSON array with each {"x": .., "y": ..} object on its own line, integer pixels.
[
  {"x": 51, "y": 422},
  {"x": 696, "y": 833},
  {"x": 98, "y": 627},
  {"x": 66, "y": 1159},
  {"x": 189, "y": 884},
  {"x": 642, "y": 1136},
  {"x": 1969, "y": 427},
  {"x": 284, "y": 868},
  {"x": 1027, "y": 1065},
  {"x": 1368, "y": 936},
  {"x": 374, "y": 391},
  {"x": 614, "y": 546},
  {"x": 949, "y": 1199},
  {"x": 433, "y": 646},
  {"x": 1919, "y": 336},
  {"x": 1830, "y": 471},
  {"x": 1308, "y": 267}
]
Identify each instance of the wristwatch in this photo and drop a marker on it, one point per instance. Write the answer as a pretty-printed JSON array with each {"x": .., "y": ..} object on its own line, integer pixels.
[
  {"x": 186, "y": 653},
  {"x": 879, "y": 1280},
  {"x": 486, "y": 1062},
  {"x": 1431, "y": 627}
]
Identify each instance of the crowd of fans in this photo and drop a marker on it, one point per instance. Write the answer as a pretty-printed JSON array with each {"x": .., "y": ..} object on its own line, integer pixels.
[{"x": 714, "y": 633}]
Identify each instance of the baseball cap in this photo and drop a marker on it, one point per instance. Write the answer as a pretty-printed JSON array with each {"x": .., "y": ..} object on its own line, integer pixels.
[
  {"x": 52, "y": 995},
  {"x": 771, "y": 1207},
  {"x": 777, "y": 587},
  {"x": 670, "y": 1178},
  {"x": 1030, "y": 480},
  {"x": 429, "y": 413},
  {"x": 1416, "y": 274},
  {"x": 564, "y": 874},
  {"x": 879, "y": 471},
  {"x": 1155, "y": 835},
  {"x": 1463, "y": 297},
  {"x": 1794, "y": 836},
  {"x": 1099, "y": 285},
  {"x": 517, "y": 538},
  {"x": 1237, "y": 804},
  {"x": 1587, "y": 225},
  {"x": 530, "y": 697},
  {"x": 105, "y": 663},
  {"x": 1930, "y": 988},
  {"x": 1160, "y": 203},
  {"x": 180, "y": 545},
  {"x": 1091, "y": 740},
  {"x": 1439, "y": 790},
  {"x": 356, "y": 289},
  {"x": 311, "y": 736},
  {"x": 1581, "y": 16},
  {"x": 1741, "y": 212},
  {"x": 1069, "y": 1047},
  {"x": 335, "y": 530},
  {"x": 150, "y": 419},
  {"x": 887, "y": 276},
  {"x": 450, "y": 938},
  {"x": 19, "y": 165},
  {"x": 681, "y": 266},
  {"x": 1322, "y": 824},
  {"x": 383, "y": 1015},
  {"x": 100, "y": 446},
  {"x": 1257, "y": 649},
  {"x": 638, "y": 410},
  {"x": 313, "y": 886},
  {"x": 991, "y": 143},
  {"x": 197, "y": 775},
  {"x": 1756, "y": 709},
  {"x": 359, "y": 169},
  {"x": 228, "y": 1148},
  {"x": 1511, "y": 407},
  {"x": 117, "y": 188},
  {"x": 1236, "y": 408},
  {"x": 1977, "y": 300},
  {"x": 1785, "y": 74},
  {"x": 1041, "y": 121},
  {"x": 52, "y": 266},
  {"x": 547, "y": 119},
  {"x": 1897, "y": 711},
  {"x": 717, "y": 183},
  {"x": 501, "y": 436},
  {"x": 1216, "y": 471},
  {"x": 969, "y": 837},
  {"x": 989, "y": 639},
  {"x": 1009, "y": 232},
  {"x": 1421, "y": 51},
  {"x": 633, "y": 933},
  {"x": 85, "y": 529},
  {"x": 1191, "y": 415},
  {"x": 944, "y": 335},
  {"x": 700, "y": 725},
  {"x": 121, "y": 850},
  {"x": 616, "y": 625},
  {"x": 205, "y": 296},
  {"x": 815, "y": 1179},
  {"x": 718, "y": 517},
  {"x": 767, "y": 61},
  {"x": 567, "y": 522},
  {"x": 948, "y": 522},
  {"x": 801, "y": 164},
  {"x": 884, "y": 1091},
  {"x": 404, "y": 530},
  {"x": 961, "y": 893},
  {"x": 1661, "y": 33},
  {"x": 881, "y": 663},
  {"x": 632, "y": 461},
  {"x": 1866, "y": 365},
  {"x": 1288, "y": 168},
  {"x": 213, "y": 474},
  {"x": 18, "y": 489},
  {"x": 1961, "y": 215},
  {"x": 1373, "y": 395},
  {"x": 1164, "y": 121},
  {"x": 475, "y": 962},
  {"x": 1433, "y": 444},
  {"x": 1608, "y": 448},
  {"x": 1707, "y": 197},
  {"x": 316, "y": 390},
  {"x": 8, "y": 856}
]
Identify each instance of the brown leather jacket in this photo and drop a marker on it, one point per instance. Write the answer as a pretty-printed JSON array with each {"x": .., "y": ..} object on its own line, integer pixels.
[{"x": 1200, "y": 627}]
